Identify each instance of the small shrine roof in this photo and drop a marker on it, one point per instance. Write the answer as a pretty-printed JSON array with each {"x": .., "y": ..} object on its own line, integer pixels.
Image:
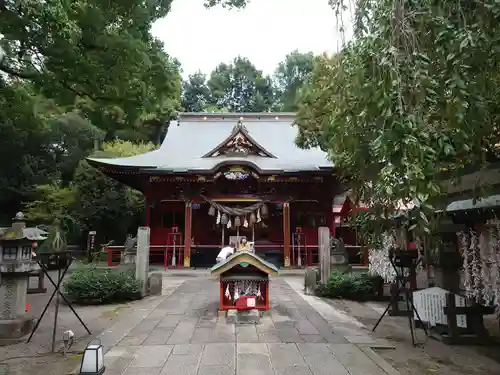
[
  {"x": 489, "y": 202},
  {"x": 30, "y": 233},
  {"x": 244, "y": 257},
  {"x": 193, "y": 141}
]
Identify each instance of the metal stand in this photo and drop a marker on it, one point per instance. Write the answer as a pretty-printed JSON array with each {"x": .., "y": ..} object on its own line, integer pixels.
[
  {"x": 399, "y": 263},
  {"x": 43, "y": 260}
]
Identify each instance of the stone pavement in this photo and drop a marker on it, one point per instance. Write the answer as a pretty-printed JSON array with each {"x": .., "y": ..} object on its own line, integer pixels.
[{"x": 181, "y": 333}]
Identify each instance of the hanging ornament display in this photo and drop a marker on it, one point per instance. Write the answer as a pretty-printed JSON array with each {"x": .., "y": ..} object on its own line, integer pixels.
[
  {"x": 485, "y": 267},
  {"x": 464, "y": 251},
  {"x": 245, "y": 223},
  {"x": 475, "y": 266},
  {"x": 224, "y": 219},
  {"x": 253, "y": 219},
  {"x": 259, "y": 294},
  {"x": 211, "y": 211},
  {"x": 237, "y": 221},
  {"x": 379, "y": 263},
  {"x": 263, "y": 210},
  {"x": 217, "y": 221},
  {"x": 259, "y": 219},
  {"x": 481, "y": 265},
  {"x": 229, "y": 224}
]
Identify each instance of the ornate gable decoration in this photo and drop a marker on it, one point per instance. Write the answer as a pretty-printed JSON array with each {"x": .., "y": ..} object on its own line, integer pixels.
[{"x": 239, "y": 143}]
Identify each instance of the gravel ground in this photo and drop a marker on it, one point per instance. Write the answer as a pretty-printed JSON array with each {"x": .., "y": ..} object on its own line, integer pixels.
[
  {"x": 430, "y": 356},
  {"x": 36, "y": 357}
]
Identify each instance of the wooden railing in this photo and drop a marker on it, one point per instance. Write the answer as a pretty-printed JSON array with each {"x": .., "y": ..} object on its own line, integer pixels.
[
  {"x": 309, "y": 257},
  {"x": 166, "y": 251}
]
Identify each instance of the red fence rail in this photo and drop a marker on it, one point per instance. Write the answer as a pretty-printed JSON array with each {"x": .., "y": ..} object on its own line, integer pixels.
[
  {"x": 309, "y": 254},
  {"x": 166, "y": 251}
]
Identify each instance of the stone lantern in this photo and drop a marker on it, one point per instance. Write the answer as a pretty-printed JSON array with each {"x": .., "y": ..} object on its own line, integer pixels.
[{"x": 16, "y": 252}]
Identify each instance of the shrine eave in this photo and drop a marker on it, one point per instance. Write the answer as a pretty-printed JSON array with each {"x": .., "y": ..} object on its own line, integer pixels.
[
  {"x": 264, "y": 142},
  {"x": 152, "y": 170},
  {"x": 244, "y": 258}
]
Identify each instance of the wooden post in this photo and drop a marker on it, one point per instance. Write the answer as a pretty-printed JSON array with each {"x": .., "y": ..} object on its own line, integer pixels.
[
  {"x": 286, "y": 234},
  {"x": 221, "y": 295},
  {"x": 187, "y": 234},
  {"x": 324, "y": 245}
]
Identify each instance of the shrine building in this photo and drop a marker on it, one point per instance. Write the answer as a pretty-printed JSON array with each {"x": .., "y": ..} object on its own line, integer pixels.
[{"x": 220, "y": 176}]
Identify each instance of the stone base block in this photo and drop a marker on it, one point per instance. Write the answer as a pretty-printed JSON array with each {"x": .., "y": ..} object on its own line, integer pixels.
[
  {"x": 232, "y": 316},
  {"x": 155, "y": 283},
  {"x": 13, "y": 331},
  {"x": 128, "y": 258},
  {"x": 221, "y": 313},
  {"x": 265, "y": 313},
  {"x": 249, "y": 317},
  {"x": 36, "y": 290}
]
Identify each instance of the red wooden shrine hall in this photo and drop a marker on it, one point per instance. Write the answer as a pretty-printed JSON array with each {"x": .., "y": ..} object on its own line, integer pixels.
[{"x": 220, "y": 176}]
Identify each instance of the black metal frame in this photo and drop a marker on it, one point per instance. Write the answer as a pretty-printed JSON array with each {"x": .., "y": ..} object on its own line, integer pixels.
[
  {"x": 43, "y": 260},
  {"x": 399, "y": 262}
]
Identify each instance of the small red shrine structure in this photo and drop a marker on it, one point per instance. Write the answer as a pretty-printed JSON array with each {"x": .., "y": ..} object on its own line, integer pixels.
[
  {"x": 244, "y": 281},
  {"x": 219, "y": 176}
]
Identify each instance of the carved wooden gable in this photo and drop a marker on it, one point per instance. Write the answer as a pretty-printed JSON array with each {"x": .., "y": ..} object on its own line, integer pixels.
[{"x": 239, "y": 143}]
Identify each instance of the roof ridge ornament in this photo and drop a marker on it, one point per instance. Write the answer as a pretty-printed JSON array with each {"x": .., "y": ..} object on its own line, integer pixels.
[{"x": 239, "y": 143}]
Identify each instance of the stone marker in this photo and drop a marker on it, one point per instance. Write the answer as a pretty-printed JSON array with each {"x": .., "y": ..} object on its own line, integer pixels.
[
  {"x": 311, "y": 278},
  {"x": 324, "y": 245},
  {"x": 155, "y": 284},
  {"x": 142, "y": 261}
]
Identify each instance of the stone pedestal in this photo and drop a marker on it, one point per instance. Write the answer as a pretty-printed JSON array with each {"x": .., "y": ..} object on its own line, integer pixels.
[
  {"x": 14, "y": 323},
  {"x": 338, "y": 256},
  {"x": 129, "y": 257}
]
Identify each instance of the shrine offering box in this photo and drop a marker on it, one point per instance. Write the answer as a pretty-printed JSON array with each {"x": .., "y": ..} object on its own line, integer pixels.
[{"x": 244, "y": 281}]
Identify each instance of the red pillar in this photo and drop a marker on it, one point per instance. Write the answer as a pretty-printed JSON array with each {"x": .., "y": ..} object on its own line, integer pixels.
[
  {"x": 187, "y": 234},
  {"x": 286, "y": 234},
  {"x": 147, "y": 203}
]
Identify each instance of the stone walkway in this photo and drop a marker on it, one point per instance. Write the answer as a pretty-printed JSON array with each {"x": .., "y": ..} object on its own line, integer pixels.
[{"x": 181, "y": 333}]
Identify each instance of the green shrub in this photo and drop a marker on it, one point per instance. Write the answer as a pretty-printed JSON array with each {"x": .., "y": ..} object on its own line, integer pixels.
[
  {"x": 354, "y": 286},
  {"x": 90, "y": 285}
]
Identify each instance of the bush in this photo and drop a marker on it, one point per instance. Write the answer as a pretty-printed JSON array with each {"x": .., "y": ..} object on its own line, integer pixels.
[
  {"x": 92, "y": 286},
  {"x": 353, "y": 286}
]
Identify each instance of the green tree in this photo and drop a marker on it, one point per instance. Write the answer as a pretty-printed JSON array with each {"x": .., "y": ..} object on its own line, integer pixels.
[
  {"x": 101, "y": 55},
  {"x": 72, "y": 139},
  {"x": 52, "y": 203},
  {"x": 289, "y": 78},
  {"x": 105, "y": 205},
  {"x": 240, "y": 87},
  {"x": 414, "y": 94},
  {"x": 195, "y": 93},
  {"x": 25, "y": 160}
]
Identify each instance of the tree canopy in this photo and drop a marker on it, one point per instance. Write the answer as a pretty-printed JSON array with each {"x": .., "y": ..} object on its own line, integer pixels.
[
  {"x": 240, "y": 86},
  {"x": 414, "y": 94},
  {"x": 75, "y": 76},
  {"x": 290, "y": 77},
  {"x": 100, "y": 57}
]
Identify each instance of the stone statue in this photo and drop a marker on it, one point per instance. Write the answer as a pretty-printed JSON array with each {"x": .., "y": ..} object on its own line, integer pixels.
[{"x": 130, "y": 250}]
